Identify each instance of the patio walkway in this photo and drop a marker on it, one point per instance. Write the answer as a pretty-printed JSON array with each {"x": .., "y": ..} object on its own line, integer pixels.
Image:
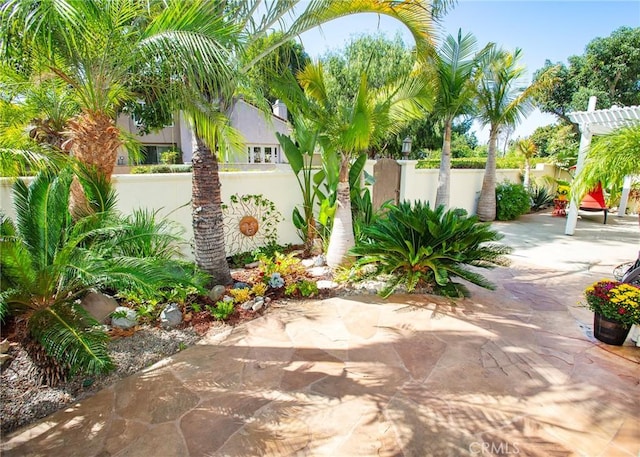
[{"x": 510, "y": 372}]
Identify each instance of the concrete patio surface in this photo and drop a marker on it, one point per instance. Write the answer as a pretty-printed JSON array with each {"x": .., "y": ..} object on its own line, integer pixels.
[{"x": 514, "y": 371}]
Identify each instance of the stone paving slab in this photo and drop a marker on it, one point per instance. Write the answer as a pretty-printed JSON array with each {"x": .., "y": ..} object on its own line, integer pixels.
[{"x": 514, "y": 371}]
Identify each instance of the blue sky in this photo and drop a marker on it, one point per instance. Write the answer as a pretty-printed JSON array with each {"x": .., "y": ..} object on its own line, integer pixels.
[{"x": 544, "y": 29}]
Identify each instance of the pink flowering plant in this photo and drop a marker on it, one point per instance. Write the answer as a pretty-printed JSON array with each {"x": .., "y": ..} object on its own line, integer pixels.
[{"x": 614, "y": 300}]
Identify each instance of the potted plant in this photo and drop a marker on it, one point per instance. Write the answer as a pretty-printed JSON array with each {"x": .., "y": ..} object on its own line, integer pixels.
[{"x": 616, "y": 308}]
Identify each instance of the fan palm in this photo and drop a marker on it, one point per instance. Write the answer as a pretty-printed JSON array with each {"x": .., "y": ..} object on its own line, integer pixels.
[
  {"x": 503, "y": 99},
  {"x": 454, "y": 66}
]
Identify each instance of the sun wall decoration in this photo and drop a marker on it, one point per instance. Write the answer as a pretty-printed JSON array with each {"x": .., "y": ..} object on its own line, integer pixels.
[{"x": 250, "y": 222}]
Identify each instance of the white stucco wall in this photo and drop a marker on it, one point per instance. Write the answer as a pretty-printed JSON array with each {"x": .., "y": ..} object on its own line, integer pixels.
[{"x": 171, "y": 193}]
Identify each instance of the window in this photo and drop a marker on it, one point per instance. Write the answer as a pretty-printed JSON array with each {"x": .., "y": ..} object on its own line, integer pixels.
[
  {"x": 262, "y": 154},
  {"x": 257, "y": 154},
  {"x": 152, "y": 153}
]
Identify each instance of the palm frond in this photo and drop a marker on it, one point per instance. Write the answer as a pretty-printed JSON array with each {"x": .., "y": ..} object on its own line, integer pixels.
[
  {"x": 611, "y": 158},
  {"x": 69, "y": 334}
]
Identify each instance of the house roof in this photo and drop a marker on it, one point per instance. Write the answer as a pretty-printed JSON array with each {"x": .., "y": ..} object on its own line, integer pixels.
[{"x": 603, "y": 121}]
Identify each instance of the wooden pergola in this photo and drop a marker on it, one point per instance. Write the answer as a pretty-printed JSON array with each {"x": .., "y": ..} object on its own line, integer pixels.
[{"x": 599, "y": 122}]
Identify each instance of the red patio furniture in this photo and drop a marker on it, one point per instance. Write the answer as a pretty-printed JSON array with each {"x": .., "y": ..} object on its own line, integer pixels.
[{"x": 594, "y": 201}]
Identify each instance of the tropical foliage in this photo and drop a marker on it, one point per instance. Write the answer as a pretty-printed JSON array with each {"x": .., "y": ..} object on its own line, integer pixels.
[
  {"x": 503, "y": 99},
  {"x": 611, "y": 158},
  {"x": 49, "y": 261},
  {"x": 455, "y": 64},
  {"x": 512, "y": 201},
  {"x": 192, "y": 56},
  {"x": 346, "y": 131},
  {"x": 419, "y": 245}
]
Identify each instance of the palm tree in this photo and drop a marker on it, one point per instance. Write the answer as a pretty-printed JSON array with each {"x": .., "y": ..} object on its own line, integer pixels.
[
  {"x": 454, "y": 65},
  {"x": 33, "y": 116},
  {"x": 502, "y": 100},
  {"x": 347, "y": 130},
  {"x": 610, "y": 159},
  {"x": 528, "y": 149},
  {"x": 181, "y": 54}
]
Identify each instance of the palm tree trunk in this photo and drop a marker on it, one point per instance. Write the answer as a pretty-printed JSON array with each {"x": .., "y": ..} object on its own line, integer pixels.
[
  {"x": 94, "y": 140},
  {"x": 208, "y": 231},
  {"x": 487, "y": 201},
  {"x": 527, "y": 173},
  {"x": 342, "y": 238},
  {"x": 443, "y": 195}
]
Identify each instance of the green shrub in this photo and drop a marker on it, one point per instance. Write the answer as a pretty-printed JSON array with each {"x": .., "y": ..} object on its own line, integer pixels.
[
  {"x": 415, "y": 244},
  {"x": 222, "y": 309},
  {"x": 512, "y": 201},
  {"x": 477, "y": 163},
  {"x": 147, "y": 169},
  {"x": 171, "y": 157}
]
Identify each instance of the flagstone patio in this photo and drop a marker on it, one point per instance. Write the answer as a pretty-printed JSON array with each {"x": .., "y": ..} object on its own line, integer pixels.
[{"x": 514, "y": 371}]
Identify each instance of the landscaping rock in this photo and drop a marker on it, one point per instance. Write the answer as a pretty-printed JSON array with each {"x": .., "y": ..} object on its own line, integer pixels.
[
  {"x": 326, "y": 284},
  {"x": 128, "y": 321},
  {"x": 4, "y": 346},
  {"x": 252, "y": 265},
  {"x": 320, "y": 261},
  {"x": 247, "y": 305},
  {"x": 307, "y": 263},
  {"x": 319, "y": 271},
  {"x": 227, "y": 299},
  {"x": 258, "y": 304},
  {"x": 217, "y": 292},
  {"x": 171, "y": 316},
  {"x": 241, "y": 285},
  {"x": 99, "y": 306}
]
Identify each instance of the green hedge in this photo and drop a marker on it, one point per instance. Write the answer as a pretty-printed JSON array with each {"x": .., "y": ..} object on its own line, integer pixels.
[
  {"x": 146, "y": 169},
  {"x": 477, "y": 163}
]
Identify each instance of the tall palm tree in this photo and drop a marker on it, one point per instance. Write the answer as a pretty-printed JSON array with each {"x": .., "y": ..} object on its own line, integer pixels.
[
  {"x": 349, "y": 129},
  {"x": 454, "y": 66},
  {"x": 186, "y": 54},
  {"x": 528, "y": 149},
  {"x": 503, "y": 99}
]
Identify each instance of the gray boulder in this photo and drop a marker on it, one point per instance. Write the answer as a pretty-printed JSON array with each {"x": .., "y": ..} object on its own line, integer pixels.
[
  {"x": 99, "y": 306},
  {"x": 216, "y": 293},
  {"x": 128, "y": 319},
  {"x": 171, "y": 316}
]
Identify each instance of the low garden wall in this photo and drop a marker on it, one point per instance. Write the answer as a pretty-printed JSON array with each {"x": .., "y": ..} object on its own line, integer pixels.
[{"x": 171, "y": 193}]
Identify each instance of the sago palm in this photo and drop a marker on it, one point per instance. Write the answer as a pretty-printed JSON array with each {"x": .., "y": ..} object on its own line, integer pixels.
[
  {"x": 416, "y": 244},
  {"x": 503, "y": 98},
  {"x": 49, "y": 261}
]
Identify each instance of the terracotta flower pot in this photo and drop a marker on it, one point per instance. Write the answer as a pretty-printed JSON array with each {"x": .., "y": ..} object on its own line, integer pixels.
[{"x": 609, "y": 331}]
